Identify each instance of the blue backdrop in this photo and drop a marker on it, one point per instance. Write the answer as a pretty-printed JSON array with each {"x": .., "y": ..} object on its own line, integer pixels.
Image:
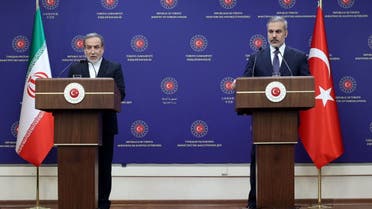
[{"x": 179, "y": 58}]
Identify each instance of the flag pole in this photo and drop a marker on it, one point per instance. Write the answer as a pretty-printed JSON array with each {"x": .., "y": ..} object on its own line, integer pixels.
[
  {"x": 320, "y": 205},
  {"x": 30, "y": 117},
  {"x": 37, "y": 167},
  {"x": 37, "y": 191}
]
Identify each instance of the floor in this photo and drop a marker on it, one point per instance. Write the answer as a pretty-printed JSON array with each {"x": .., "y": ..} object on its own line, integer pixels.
[{"x": 186, "y": 205}]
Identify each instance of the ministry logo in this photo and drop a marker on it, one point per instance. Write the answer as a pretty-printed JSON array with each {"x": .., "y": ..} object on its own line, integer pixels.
[
  {"x": 169, "y": 85},
  {"x": 228, "y": 4},
  {"x": 20, "y": 44},
  {"x": 168, "y": 4},
  {"x": 77, "y": 43},
  {"x": 226, "y": 85},
  {"x": 14, "y": 129},
  {"x": 287, "y": 4},
  {"x": 199, "y": 128},
  {"x": 139, "y": 43},
  {"x": 109, "y": 4},
  {"x": 346, "y": 4},
  {"x": 50, "y": 4},
  {"x": 139, "y": 128},
  {"x": 370, "y": 41},
  {"x": 198, "y": 43},
  {"x": 31, "y": 82},
  {"x": 257, "y": 41},
  {"x": 347, "y": 84}
]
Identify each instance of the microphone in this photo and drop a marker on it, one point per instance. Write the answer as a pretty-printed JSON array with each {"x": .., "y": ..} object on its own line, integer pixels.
[
  {"x": 255, "y": 59},
  {"x": 64, "y": 70},
  {"x": 89, "y": 62},
  {"x": 285, "y": 62}
]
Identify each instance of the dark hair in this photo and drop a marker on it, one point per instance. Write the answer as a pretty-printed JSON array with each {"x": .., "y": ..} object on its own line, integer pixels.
[{"x": 91, "y": 35}]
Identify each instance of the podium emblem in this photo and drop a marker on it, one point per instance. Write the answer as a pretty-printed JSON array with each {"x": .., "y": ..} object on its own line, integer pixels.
[
  {"x": 74, "y": 93},
  {"x": 275, "y": 91}
]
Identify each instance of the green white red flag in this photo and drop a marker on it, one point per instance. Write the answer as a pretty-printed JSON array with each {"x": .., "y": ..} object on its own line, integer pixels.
[
  {"x": 36, "y": 128},
  {"x": 320, "y": 128}
]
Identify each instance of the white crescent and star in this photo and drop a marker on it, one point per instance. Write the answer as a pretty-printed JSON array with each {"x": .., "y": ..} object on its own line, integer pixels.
[
  {"x": 317, "y": 53},
  {"x": 325, "y": 95}
]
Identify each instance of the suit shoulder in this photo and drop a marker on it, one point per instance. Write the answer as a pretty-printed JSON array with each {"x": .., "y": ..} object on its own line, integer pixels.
[
  {"x": 295, "y": 51},
  {"x": 111, "y": 63}
]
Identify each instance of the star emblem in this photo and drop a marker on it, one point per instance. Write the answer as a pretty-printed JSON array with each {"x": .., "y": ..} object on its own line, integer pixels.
[{"x": 324, "y": 95}]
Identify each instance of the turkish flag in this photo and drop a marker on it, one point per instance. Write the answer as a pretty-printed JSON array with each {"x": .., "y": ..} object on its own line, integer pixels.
[{"x": 320, "y": 128}]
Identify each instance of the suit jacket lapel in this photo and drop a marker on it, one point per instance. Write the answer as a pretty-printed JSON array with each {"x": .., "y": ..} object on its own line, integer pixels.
[
  {"x": 85, "y": 70},
  {"x": 283, "y": 66},
  {"x": 268, "y": 63},
  {"x": 102, "y": 68}
]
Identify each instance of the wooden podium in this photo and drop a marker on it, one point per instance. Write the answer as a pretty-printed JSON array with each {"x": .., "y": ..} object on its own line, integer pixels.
[
  {"x": 274, "y": 103},
  {"x": 76, "y": 104}
]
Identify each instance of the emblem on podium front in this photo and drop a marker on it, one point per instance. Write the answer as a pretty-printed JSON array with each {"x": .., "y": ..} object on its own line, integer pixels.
[
  {"x": 74, "y": 93},
  {"x": 275, "y": 91}
]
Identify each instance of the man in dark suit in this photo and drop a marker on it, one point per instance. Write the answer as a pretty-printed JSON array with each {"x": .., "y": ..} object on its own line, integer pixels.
[
  {"x": 96, "y": 66},
  {"x": 276, "y": 60}
]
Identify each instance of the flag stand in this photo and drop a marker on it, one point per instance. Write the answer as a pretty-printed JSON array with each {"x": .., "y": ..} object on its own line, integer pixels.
[
  {"x": 320, "y": 205},
  {"x": 37, "y": 191}
]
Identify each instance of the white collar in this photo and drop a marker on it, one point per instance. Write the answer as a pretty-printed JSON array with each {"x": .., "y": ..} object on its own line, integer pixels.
[{"x": 281, "y": 49}]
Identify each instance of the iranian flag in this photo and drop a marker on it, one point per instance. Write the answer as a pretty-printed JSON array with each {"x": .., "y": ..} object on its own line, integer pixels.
[
  {"x": 320, "y": 128},
  {"x": 36, "y": 129}
]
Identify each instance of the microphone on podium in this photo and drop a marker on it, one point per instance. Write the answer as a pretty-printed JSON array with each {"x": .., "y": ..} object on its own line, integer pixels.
[
  {"x": 285, "y": 62},
  {"x": 255, "y": 60},
  {"x": 64, "y": 70},
  {"x": 89, "y": 62}
]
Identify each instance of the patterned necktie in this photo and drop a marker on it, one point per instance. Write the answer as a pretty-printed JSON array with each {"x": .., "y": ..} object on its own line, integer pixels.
[{"x": 276, "y": 63}]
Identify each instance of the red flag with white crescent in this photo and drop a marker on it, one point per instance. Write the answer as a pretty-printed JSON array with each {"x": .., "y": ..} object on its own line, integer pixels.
[{"x": 320, "y": 128}]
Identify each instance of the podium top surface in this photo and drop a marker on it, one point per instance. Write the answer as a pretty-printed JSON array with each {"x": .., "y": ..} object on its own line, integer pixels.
[
  {"x": 77, "y": 93},
  {"x": 296, "y": 92}
]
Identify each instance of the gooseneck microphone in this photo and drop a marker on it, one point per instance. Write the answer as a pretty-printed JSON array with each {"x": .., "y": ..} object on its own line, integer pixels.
[
  {"x": 89, "y": 62},
  {"x": 285, "y": 61},
  {"x": 255, "y": 60},
  {"x": 64, "y": 70}
]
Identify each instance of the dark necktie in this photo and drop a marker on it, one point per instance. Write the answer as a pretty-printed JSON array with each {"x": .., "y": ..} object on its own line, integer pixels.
[{"x": 276, "y": 63}]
